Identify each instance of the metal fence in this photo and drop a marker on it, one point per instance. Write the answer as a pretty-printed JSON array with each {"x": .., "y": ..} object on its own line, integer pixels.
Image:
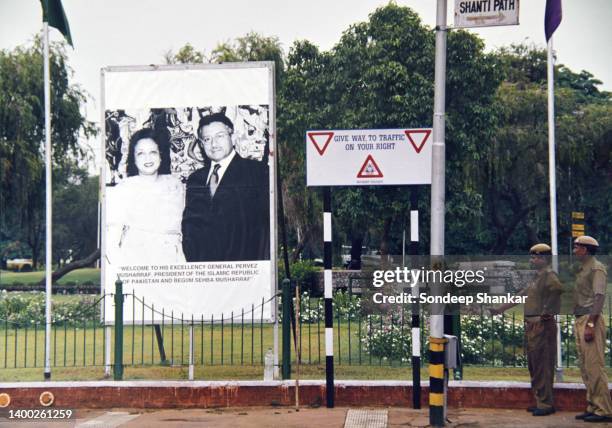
[{"x": 163, "y": 338}]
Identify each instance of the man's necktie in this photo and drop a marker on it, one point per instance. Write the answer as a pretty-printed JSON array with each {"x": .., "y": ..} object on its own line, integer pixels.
[{"x": 213, "y": 182}]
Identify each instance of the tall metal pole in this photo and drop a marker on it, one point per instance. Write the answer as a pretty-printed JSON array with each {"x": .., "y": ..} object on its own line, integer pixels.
[
  {"x": 438, "y": 150},
  {"x": 48, "y": 201},
  {"x": 437, "y": 396},
  {"x": 552, "y": 181}
]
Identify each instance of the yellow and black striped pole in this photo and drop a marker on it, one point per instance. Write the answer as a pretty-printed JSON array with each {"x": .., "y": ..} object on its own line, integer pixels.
[{"x": 436, "y": 381}]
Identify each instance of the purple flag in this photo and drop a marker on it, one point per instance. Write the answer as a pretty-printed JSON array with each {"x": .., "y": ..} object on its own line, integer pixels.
[{"x": 552, "y": 19}]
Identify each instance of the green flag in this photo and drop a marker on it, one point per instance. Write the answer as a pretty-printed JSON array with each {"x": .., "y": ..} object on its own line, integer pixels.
[{"x": 53, "y": 13}]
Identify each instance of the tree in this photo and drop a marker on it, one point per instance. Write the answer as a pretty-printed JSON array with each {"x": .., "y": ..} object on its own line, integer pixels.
[
  {"x": 186, "y": 55},
  {"x": 516, "y": 167},
  {"x": 75, "y": 218},
  {"x": 22, "y": 137},
  {"x": 380, "y": 75}
]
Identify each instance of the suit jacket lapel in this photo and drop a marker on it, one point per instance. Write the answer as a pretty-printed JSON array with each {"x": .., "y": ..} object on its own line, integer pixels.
[{"x": 228, "y": 180}]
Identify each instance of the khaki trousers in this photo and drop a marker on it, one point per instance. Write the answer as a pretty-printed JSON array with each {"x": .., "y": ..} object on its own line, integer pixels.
[
  {"x": 592, "y": 366},
  {"x": 541, "y": 350}
]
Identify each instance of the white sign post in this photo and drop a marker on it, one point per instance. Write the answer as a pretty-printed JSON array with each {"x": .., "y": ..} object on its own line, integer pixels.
[
  {"x": 486, "y": 13},
  {"x": 368, "y": 157}
]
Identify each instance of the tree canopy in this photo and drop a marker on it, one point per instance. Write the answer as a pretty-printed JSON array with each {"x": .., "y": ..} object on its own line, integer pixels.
[
  {"x": 380, "y": 75},
  {"x": 22, "y": 138}
]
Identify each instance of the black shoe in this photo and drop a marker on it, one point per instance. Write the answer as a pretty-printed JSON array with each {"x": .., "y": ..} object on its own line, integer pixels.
[
  {"x": 584, "y": 415},
  {"x": 531, "y": 409},
  {"x": 543, "y": 412},
  {"x": 598, "y": 418}
]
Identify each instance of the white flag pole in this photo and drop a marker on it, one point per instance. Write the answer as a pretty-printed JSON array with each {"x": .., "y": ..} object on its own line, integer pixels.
[
  {"x": 48, "y": 202},
  {"x": 552, "y": 179},
  {"x": 552, "y": 176}
]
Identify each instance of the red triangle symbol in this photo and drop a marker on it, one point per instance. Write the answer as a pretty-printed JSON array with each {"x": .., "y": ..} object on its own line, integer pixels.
[
  {"x": 413, "y": 138},
  {"x": 370, "y": 169},
  {"x": 320, "y": 140}
]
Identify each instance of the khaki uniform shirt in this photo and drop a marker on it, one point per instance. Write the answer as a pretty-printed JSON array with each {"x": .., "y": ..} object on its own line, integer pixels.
[
  {"x": 590, "y": 280},
  {"x": 543, "y": 294}
]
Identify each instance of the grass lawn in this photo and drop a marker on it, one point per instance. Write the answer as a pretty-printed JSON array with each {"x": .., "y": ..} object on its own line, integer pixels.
[
  {"x": 77, "y": 353},
  {"x": 78, "y": 276}
]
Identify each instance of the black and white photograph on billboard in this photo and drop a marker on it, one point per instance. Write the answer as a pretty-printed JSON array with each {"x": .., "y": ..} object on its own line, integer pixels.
[{"x": 187, "y": 205}]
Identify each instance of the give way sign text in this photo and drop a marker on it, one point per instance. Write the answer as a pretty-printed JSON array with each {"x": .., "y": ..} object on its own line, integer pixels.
[{"x": 368, "y": 157}]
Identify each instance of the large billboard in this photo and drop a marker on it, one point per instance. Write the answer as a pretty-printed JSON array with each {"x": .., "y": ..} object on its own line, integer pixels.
[{"x": 188, "y": 189}]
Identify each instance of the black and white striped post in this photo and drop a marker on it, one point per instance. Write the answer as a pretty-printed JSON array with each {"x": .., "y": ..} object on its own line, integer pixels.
[
  {"x": 416, "y": 352},
  {"x": 416, "y": 318},
  {"x": 329, "y": 314}
]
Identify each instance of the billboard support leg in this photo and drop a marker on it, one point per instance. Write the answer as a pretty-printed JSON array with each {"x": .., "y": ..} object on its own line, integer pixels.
[
  {"x": 107, "y": 351},
  {"x": 160, "y": 344},
  {"x": 286, "y": 329},
  {"x": 118, "y": 366},
  {"x": 191, "y": 350}
]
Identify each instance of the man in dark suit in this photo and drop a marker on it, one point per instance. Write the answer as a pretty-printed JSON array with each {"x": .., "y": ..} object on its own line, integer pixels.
[{"x": 226, "y": 215}]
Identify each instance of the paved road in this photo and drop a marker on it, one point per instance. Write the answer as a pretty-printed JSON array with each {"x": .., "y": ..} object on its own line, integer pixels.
[{"x": 306, "y": 418}]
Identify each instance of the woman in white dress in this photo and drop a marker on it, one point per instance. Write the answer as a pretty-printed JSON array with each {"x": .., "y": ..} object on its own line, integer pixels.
[{"x": 147, "y": 224}]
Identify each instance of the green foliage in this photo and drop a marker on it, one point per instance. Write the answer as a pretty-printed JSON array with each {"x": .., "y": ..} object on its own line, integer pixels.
[
  {"x": 516, "y": 168},
  {"x": 185, "y": 55},
  {"x": 389, "y": 341},
  {"x": 345, "y": 307},
  {"x": 27, "y": 309},
  {"x": 22, "y": 137},
  {"x": 483, "y": 340},
  {"x": 492, "y": 340},
  {"x": 380, "y": 75},
  {"x": 79, "y": 276},
  {"x": 75, "y": 218},
  {"x": 250, "y": 47},
  {"x": 304, "y": 272}
]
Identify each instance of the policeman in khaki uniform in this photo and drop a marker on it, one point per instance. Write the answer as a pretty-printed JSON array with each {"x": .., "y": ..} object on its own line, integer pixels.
[
  {"x": 542, "y": 303},
  {"x": 590, "y": 330}
]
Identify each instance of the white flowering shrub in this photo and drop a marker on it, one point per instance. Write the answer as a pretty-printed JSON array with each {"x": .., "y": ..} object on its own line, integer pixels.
[
  {"x": 28, "y": 309},
  {"x": 312, "y": 309},
  {"x": 388, "y": 341}
]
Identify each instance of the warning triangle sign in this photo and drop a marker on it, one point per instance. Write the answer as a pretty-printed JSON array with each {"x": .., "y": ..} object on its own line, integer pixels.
[
  {"x": 417, "y": 137},
  {"x": 370, "y": 169},
  {"x": 320, "y": 140}
]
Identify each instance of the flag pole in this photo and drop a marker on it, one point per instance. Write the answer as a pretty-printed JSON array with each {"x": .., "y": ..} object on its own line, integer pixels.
[
  {"x": 552, "y": 176},
  {"x": 552, "y": 179},
  {"x": 48, "y": 201}
]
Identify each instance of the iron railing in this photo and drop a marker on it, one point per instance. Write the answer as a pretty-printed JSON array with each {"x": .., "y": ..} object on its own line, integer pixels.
[{"x": 162, "y": 337}]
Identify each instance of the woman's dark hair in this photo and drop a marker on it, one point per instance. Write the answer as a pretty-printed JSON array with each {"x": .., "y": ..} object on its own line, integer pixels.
[{"x": 162, "y": 144}]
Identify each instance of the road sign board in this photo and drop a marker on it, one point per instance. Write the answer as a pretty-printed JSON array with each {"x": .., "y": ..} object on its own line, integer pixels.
[
  {"x": 368, "y": 157},
  {"x": 486, "y": 13},
  {"x": 578, "y": 227},
  {"x": 577, "y": 233},
  {"x": 579, "y": 215}
]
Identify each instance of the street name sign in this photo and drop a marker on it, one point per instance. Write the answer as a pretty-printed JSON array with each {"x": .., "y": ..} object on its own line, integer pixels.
[
  {"x": 486, "y": 13},
  {"x": 368, "y": 157}
]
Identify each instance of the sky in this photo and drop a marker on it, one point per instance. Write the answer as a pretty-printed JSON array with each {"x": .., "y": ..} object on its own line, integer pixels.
[{"x": 139, "y": 32}]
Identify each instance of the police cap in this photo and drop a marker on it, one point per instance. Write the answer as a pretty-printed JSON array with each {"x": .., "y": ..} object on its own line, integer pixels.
[
  {"x": 540, "y": 249},
  {"x": 587, "y": 241}
]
